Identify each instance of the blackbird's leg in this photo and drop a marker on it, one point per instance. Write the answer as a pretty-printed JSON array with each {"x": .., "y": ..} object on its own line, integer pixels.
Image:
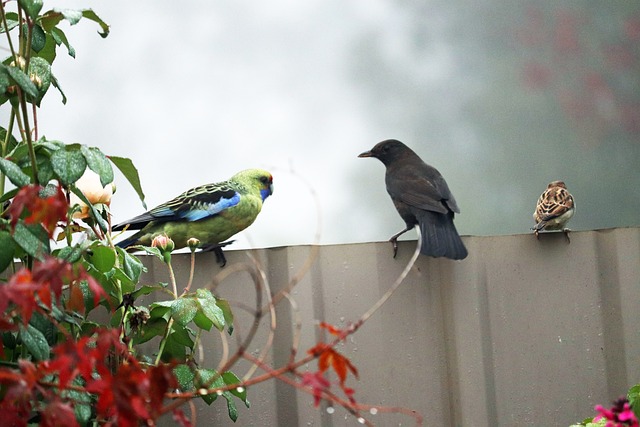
[{"x": 394, "y": 239}]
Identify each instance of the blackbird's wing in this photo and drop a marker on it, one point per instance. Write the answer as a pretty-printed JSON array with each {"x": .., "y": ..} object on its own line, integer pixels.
[{"x": 423, "y": 187}]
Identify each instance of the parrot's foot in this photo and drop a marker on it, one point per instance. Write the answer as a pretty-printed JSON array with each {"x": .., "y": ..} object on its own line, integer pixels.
[
  {"x": 217, "y": 249},
  {"x": 566, "y": 232}
]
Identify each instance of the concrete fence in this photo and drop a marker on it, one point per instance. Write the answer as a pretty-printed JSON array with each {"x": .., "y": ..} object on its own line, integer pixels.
[{"x": 521, "y": 333}]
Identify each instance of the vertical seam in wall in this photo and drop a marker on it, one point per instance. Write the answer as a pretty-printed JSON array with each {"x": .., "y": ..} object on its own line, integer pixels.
[
  {"x": 319, "y": 313},
  {"x": 451, "y": 352},
  {"x": 287, "y": 411},
  {"x": 486, "y": 346},
  {"x": 612, "y": 323}
]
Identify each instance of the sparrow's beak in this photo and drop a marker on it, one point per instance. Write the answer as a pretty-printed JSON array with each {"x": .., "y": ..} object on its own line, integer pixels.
[{"x": 366, "y": 154}]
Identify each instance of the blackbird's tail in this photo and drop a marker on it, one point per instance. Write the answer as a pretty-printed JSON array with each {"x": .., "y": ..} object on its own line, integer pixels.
[{"x": 439, "y": 236}]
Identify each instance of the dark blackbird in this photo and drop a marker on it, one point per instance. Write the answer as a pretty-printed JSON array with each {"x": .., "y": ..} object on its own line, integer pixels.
[{"x": 422, "y": 197}]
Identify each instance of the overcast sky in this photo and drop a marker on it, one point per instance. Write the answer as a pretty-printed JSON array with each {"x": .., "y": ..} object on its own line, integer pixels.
[{"x": 195, "y": 91}]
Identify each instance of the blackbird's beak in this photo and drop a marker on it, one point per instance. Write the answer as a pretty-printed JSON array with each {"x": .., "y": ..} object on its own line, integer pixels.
[{"x": 366, "y": 154}]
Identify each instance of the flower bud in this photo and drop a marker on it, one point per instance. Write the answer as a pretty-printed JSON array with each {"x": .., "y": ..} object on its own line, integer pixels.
[
  {"x": 165, "y": 245},
  {"x": 193, "y": 244}
]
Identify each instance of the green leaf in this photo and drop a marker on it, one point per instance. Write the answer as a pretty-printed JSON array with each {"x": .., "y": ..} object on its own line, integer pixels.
[
  {"x": 45, "y": 326},
  {"x": 40, "y": 70},
  {"x": 68, "y": 164},
  {"x": 72, "y": 254},
  {"x": 184, "y": 310},
  {"x": 56, "y": 84},
  {"x": 11, "y": 142},
  {"x": 98, "y": 163},
  {"x": 22, "y": 80},
  {"x": 7, "y": 250},
  {"x": 185, "y": 376},
  {"x": 226, "y": 311},
  {"x": 103, "y": 258},
  {"x": 148, "y": 289},
  {"x": 173, "y": 348},
  {"x": 32, "y": 7},
  {"x": 45, "y": 170},
  {"x": 14, "y": 173},
  {"x": 230, "y": 379},
  {"x": 91, "y": 15},
  {"x": 32, "y": 238},
  {"x": 131, "y": 173},
  {"x": 160, "y": 310},
  {"x": 208, "y": 306},
  {"x": 71, "y": 15},
  {"x": 202, "y": 321},
  {"x": 12, "y": 21},
  {"x": 206, "y": 375},
  {"x": 181, "y": 336},
  {"x": 9, "y": 195},
  {"x": 206, "y": 380},
  {"x": 38, "y": 38},
  {"x": 634, "y": 399},
  {"x": 131, "y": 265},
  {"x": 35, "y": 342},
  {"x": 153, "y": 328},
  {"x": 61, "y": 38},
  {"x": 48, "y": 52}
]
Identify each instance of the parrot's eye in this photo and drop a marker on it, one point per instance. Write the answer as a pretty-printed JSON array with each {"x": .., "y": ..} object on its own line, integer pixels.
[{"x": 264, "y": 180}]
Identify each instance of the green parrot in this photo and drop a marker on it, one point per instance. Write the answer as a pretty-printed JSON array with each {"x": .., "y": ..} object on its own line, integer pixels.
[{"x": 210, "y": 213}]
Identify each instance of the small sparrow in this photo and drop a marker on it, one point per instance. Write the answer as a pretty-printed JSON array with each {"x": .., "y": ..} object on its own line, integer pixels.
[{"x": 554, "y": 209}]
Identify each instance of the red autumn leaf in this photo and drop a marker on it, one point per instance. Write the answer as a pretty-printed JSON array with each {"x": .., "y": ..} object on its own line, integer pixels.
[
  {"x": 340, "y": 364},
  {"x": 75, "y": 302},
  {"x": 9, "y": 375},
  {"x": 328, "y": 356},
  {"x": 58, "y": 414},
  {"x": 318, "y": 384},
  {"x": 72, "y": 358},
  {"x": 20, "y": 290},
  {"x": 47, "y": 211},
  {"x": 132, "y": 394},
  {"x": 161, "y": 380},
  {"x": 53, "y": 273},
  {"x": 332, "y": 329}
]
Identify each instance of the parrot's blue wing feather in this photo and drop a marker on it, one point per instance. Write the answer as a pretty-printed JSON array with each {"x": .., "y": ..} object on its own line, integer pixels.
[
  {"x": 193, "y": 205},
  {"x": 197, "y": 203}
]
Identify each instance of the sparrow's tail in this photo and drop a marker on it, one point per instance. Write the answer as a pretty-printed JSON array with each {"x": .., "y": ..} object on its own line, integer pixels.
[{"x": 439, "y": 236}]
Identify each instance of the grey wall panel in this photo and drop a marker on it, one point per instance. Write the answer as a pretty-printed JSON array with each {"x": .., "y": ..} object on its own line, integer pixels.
[{"x": 524, "y": 332}]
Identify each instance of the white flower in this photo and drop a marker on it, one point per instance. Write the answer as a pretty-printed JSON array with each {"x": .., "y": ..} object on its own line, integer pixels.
[{"x": 89, "y": 184}]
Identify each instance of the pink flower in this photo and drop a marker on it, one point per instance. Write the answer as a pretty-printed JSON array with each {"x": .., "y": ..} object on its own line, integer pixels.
[{"x": 620, "y": 414}]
